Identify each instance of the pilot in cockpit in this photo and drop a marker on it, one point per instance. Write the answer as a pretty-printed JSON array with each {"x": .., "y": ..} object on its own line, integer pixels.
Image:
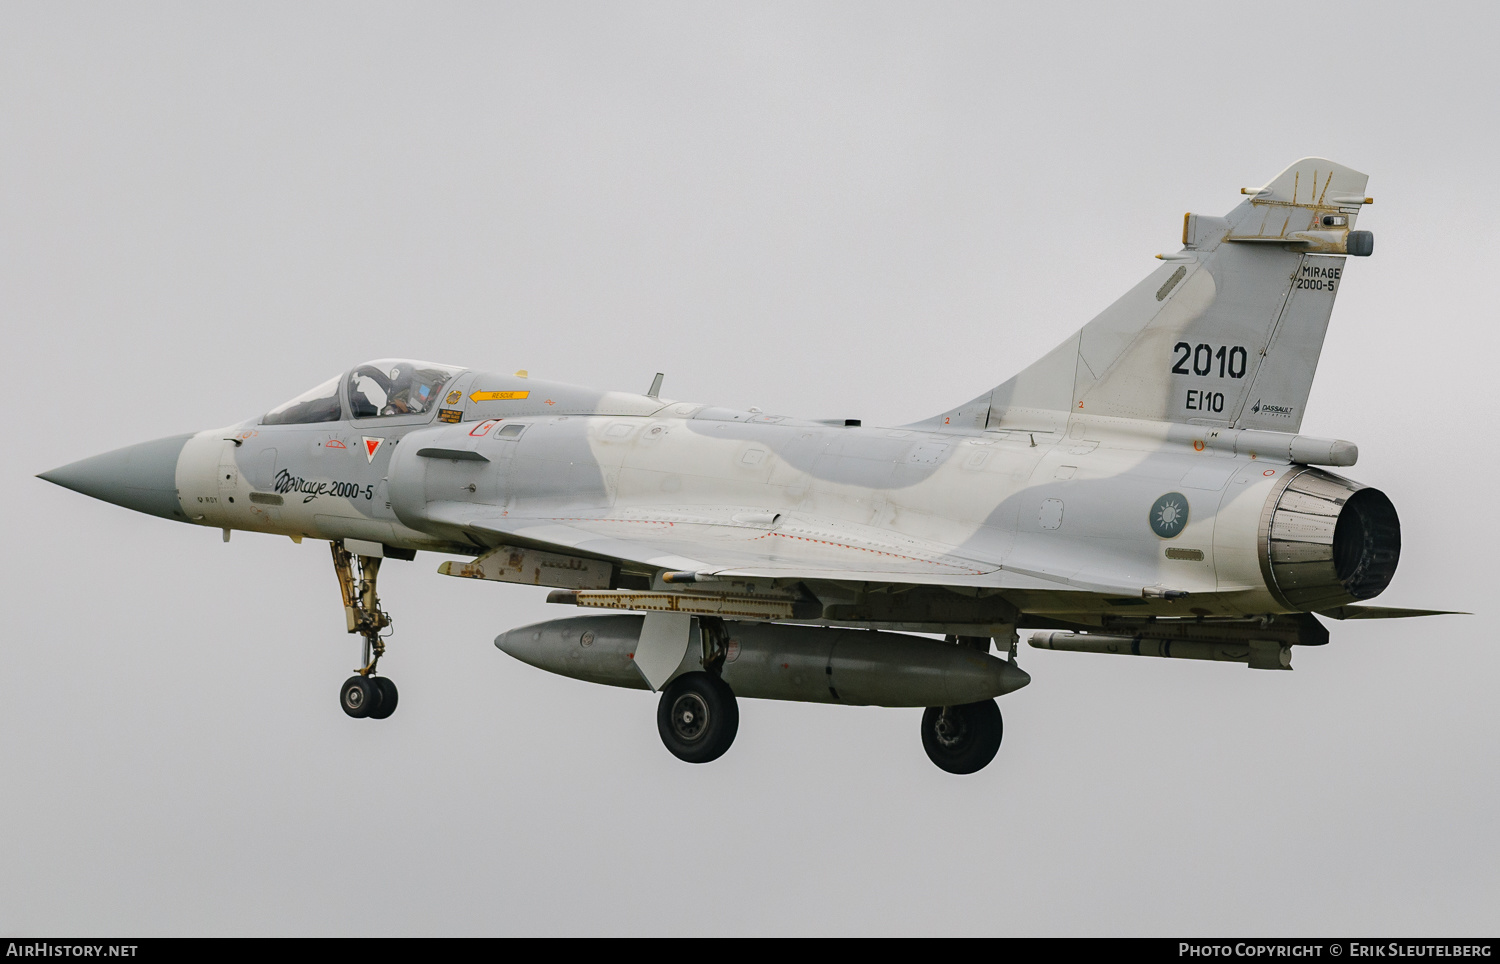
[
  {"x": 410, "y": 393},
  {"x": 395, "y": 388}
]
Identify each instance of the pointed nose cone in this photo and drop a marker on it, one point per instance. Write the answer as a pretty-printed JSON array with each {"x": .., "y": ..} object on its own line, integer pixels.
[{"x": 140, "y": 477}]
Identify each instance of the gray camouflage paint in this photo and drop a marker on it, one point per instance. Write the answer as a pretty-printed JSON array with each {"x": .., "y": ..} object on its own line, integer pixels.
[{"x": 1028, "y": 505}]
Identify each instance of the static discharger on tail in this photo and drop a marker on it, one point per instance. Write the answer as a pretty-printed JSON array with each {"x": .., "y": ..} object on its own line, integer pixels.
[{"x": 1143, "y": 489}]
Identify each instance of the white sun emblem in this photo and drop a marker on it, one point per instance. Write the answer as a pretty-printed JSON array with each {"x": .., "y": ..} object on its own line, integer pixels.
[{"x": 1169, "y": 515}]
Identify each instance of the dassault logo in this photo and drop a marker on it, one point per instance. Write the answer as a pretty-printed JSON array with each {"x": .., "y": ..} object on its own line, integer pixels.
[{"x": 1283, "y": 411}]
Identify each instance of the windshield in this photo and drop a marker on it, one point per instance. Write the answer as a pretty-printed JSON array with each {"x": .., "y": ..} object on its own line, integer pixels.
[
  {"x": 320, "y": 404},
  {"x": 394, "y": 386}
]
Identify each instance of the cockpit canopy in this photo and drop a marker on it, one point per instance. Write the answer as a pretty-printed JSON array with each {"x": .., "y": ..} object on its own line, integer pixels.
[
  {"x": 377, "y": 389},
  {"x": 319, "y": 404},
  {"x": 394, "y": 386}
]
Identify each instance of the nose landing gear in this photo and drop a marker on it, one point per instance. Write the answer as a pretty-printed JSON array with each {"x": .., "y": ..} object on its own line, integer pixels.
[
  {"x": 368, "y": 696},
  {"x": 364, "y": 695}
]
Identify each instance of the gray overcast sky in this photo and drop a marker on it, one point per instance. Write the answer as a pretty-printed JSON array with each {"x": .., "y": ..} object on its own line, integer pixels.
[{"x": 867, "y": 210}]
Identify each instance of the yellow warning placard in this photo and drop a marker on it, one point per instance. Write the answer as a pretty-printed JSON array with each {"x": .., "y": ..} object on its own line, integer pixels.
[{"x": 497, "y": 396}]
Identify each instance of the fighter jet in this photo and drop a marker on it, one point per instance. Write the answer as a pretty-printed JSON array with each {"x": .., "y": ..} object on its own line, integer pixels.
[{"x": 1141, "y": 490}]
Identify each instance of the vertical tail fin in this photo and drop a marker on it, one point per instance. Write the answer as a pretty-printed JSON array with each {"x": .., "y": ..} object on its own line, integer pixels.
[{"x": 1227, "y": 332}]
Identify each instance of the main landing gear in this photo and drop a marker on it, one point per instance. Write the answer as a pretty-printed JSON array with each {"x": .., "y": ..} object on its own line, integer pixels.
[
  {"x": 697, "y": 717},
  {"x": 364, "y": 694},
  {"x": 964, "y": 738}
]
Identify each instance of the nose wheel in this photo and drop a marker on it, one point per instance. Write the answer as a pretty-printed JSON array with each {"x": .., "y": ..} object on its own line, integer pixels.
[
  {"x": 368, "y": 697},
  {"x": 364, "y": 695}
]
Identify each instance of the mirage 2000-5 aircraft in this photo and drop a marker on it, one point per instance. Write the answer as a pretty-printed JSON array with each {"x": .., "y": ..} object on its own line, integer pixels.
[{"x": 1141, "y": 490}]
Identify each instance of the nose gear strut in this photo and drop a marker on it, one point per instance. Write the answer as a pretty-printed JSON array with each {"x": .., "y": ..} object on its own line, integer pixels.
[{"x": 364, "y": 695}]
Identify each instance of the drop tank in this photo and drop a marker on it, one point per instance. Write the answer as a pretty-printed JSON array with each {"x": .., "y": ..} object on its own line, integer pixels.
[{"x": 777, "y": 662}]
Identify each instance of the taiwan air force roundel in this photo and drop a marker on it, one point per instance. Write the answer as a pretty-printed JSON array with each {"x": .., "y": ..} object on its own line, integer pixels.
[{"x": 1169, "y": 514}]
